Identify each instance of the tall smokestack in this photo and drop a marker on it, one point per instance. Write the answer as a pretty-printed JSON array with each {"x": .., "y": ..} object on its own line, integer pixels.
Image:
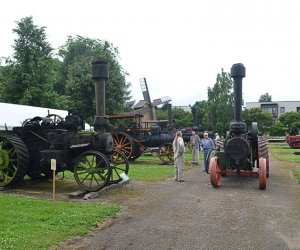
[
  {"x": 238, "y": 72},
  {"x": 100, "y": 75}
]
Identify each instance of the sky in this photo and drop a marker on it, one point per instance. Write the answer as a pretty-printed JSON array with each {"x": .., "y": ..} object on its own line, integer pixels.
[{"x": 179, "y": 46}]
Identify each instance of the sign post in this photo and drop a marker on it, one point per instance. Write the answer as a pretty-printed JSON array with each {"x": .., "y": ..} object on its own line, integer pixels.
[{"x": 53, "y": 168}]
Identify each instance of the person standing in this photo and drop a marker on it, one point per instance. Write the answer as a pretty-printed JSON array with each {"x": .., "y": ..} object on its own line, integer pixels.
[
  {"x": 217, "y": 141},
  {"x": 179, "y": 151},
  {"x": 195, "y": 143},
  {"x": 207, "y": 144}
]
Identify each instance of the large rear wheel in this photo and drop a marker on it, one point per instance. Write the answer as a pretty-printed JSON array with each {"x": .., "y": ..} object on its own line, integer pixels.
[
  {"x": 124, "y": 143},
  {"x": 14, "y": 160},
  {"x": 92, "y": 170}
]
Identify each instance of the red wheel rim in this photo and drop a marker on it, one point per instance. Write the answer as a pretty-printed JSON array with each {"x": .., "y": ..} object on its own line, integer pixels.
[
  {"x": 214, "y": 172},
  {"x": 262, "y": 174}
]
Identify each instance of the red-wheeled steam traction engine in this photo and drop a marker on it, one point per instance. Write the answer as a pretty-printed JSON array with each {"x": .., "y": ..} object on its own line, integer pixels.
[
  {"x": 28, "y": 150},
  {"x": 241, "y": 152}
]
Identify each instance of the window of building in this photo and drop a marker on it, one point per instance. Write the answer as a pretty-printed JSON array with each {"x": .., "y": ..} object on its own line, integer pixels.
[
  {"x": 282, "y": 110},
  {"x": 298, "y": 108},
  {"x": 271, "y": 109}
]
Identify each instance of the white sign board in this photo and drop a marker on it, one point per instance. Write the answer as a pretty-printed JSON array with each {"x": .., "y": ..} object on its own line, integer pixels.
[{"x": 53, "y": 164}]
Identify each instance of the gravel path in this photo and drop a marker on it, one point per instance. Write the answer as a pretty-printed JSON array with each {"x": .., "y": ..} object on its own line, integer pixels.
[{"x": 193, "y": 215}]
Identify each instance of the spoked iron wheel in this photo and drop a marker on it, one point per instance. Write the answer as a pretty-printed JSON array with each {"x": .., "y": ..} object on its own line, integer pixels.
[
  {"x": 119, "y": 164},
  {"x": 262, "y": 173},
  {"x": 14, "y": 160},
  {"x": 124, "y": 143},
  {"x": 92, "y": 170},
  {"x": 166, "y": 154},
  {"x": 214, "y": 172}
]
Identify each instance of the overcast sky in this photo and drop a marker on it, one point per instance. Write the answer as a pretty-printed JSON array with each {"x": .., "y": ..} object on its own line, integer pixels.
[{"x": 179, "y": 46}]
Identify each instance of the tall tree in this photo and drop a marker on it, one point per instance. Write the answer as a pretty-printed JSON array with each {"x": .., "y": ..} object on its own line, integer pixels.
[
  {"x": 201, "y": 111},
  {"x": 220, "y": 104},
  {"x": 76, "y": 83},
  {"x": 291, "y": 120},
  {"x": 264, "y": 120},
  {"x": 265, "y": 98},
  {"x": 129, "y": 103},
  {"x": 29, "y": 76}
]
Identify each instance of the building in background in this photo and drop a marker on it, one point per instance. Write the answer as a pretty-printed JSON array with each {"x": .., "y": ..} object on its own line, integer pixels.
[{"x": 275, "y": 108}]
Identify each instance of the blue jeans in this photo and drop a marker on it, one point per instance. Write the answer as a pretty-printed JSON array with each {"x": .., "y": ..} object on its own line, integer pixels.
[{"x": 205, "y": 153}]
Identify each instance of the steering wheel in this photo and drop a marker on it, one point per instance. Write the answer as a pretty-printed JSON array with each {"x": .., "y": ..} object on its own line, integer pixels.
[{"x": 56, "y": 119}]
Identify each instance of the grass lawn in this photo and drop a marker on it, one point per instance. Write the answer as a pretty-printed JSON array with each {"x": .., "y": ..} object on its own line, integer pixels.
[
  {"x": 283, "y": 152},
  {"x": 29, "y": 223}
]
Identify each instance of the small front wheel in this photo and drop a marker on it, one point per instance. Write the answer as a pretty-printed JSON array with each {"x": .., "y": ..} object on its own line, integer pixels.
[
  {"x": 166, "y": 154},
  {"x": 119, "y": 164},
  {"x": 92, "y": 170},
  {"x": 262, "y": 174},
  {"x": 214, "y": 172}
]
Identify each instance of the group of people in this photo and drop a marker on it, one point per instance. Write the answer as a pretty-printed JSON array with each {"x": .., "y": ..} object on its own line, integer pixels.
[{"x": 206, "y": 144}]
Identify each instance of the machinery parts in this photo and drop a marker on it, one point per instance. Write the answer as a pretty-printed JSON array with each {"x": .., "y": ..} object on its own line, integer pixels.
[{"x": 241, "y": 152}]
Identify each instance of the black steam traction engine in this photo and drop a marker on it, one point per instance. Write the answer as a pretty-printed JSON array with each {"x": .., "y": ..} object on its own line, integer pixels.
[
  {"x": 138, "y": 137},
  {"x": 28, "y": 150},
  {"x": 241, "y": 152}
]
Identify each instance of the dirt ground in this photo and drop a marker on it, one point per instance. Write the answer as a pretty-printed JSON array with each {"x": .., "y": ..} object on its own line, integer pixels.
[{"x": 192, "y": 214}]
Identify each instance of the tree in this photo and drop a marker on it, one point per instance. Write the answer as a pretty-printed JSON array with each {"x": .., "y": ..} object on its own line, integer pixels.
[
  {"x": 201, "y": 111},
  {"x": 264, "y": 120},
  {"x": 278, "y": 129},
  {"x": 265, "y": 98},
  {"x": 30, "y": 74},
  {"x": 182, "y": 118},
  {"x": 220, "y": 104},
  {"x": 129, "y": 103},
  {"x": 75, "y": 77},
  {"x": 291, "y": 120}
]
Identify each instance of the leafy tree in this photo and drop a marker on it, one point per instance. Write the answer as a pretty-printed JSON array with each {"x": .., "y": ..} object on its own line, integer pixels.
[
  {"x": 129, "y": 103},
  {"x": 263, "y": 119},
  {"x": 75, "y": 76},
  {"x": 161, "y": 113},
  {"x": 220, "y": 104},
  {"x": 30, "y": 74},
  {"x": 201, "y": 108},
  {"x": 278, "y": 129},
  {"x": 182, "y": 118},
  {"x": 291, "y": 120},
  {"x": 265, "y": 98}
]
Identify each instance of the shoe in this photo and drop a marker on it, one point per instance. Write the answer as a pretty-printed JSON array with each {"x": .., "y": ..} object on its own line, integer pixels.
[{"x": 180, "y": 180}]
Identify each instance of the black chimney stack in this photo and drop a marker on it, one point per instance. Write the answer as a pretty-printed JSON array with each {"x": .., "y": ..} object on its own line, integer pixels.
[
  {"x": 238, "y": 72},
  {"x": 100, "y": 75}
]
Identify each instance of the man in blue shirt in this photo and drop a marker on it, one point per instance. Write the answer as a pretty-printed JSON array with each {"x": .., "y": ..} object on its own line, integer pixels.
[{"x": 206, "y": 145}]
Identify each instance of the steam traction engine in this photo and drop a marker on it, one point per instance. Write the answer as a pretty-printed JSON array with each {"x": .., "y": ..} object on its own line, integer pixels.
[
  {"x": 241, "y": 152},
  {"x": 139, "y": 136},
  {"x": 28, "y": 150}
]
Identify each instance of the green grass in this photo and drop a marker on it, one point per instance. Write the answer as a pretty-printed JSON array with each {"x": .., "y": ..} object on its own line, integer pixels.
[
  {"x": 28, "y": 223},
  {"x": 296, "y": 173},
  {"x": 282, "y": 152}
]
